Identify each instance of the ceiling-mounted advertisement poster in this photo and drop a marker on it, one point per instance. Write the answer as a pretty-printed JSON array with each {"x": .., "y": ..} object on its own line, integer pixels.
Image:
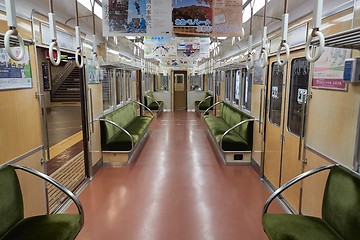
[
  {"x": 207, "y": 17},
  {"x": 160, "y": 23},
  {"x": 125, "y": 17},
  {"x": 160, "y": 47}
]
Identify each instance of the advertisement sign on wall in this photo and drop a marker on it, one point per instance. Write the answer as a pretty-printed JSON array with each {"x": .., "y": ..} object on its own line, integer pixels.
[
  {"x": 328, "y": 70},
  {"x": 15, "y": 74}
]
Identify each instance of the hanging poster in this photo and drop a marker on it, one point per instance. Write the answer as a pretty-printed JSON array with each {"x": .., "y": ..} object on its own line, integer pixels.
[
  {"x": 193, "y": 47},
  {"x": 13, "y": 74},
  {"x": 207, "y": 17},
  {"x": 125, "y": 17},
  {"x": 179, "y": 63},
  {"x": 160, "y": 23},
  {"x": 328, "y": 70},
  {"x": 160, "y": 47}
]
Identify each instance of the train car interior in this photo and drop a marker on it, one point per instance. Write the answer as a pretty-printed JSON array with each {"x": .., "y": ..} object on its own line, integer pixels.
[{"x": 179, "y": 119}]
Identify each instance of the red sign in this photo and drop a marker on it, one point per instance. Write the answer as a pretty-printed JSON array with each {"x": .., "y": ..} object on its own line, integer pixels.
[{"x": 325, "y": 83}]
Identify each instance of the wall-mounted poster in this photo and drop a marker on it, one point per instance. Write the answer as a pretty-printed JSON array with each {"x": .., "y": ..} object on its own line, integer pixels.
[
  {"x": 92, "y": 74},
  {"x": 328, "y": 70},
  {"x": 160, "y": 47},
  {"x": 207, "y": 17},
  {"x": 125, "y": 17},
  {"x": 45, "y": 74},
  {"x": 15, "y": 75}
]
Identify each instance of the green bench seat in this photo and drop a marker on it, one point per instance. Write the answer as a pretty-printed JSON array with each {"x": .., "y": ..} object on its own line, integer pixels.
[
  {"x": 152, "y": 104},
  {"x": 13, "y": 224},
  {"x": 205, "y": 103},
  {"x": 240, "y": 138},
  {"x": 340, "y": 210},
  {"x": 116, "y": 138}
]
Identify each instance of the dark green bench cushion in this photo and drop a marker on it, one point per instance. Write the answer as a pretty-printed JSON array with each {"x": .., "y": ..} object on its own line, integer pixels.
[
  {"x": 154, "y": 106},
  {"x": 113, "y": 138},
  {"x": 232, "y": 141},
  {"x": 151, "y": 104},
  {"x": 340, "y": 213},
  {"x": 13, "y": 226},
  {"x": 54, "y": 227},
  {"x": 11, "y": 203},
  {"x": 297, "y": 227},
  {"x": 240, "y": 139},
  {"x": 341, "y": 202},
  {"x": 122, "y": 142},
  {"x": 206, "y": 104}
]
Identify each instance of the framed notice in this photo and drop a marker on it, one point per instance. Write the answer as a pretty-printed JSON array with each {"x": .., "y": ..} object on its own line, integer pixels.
[
  {"x": 328, "y": 71},
  {"x": 92, "y": 74},
  {"x": 13, "y": 74}
]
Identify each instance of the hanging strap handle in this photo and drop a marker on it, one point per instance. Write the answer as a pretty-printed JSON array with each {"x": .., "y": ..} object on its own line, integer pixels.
[
  {"x": 11, "y": 21},
  {"x": 54, "y": 44},
  {"x": 318, "y": 7}
]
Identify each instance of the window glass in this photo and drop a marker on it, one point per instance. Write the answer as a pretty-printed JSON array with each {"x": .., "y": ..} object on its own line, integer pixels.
[
  {"x": 276, "y": 93},
  {"x": 118, "y": 77},
  {"x": 247, "y": 88},
  {"x": 164, "y": 83},
  {"x": 128, "y": 78},
  {"x": 298, "y": 88},
  {"x": 227, "y": 85},
  {"x": 196, "y": 83},
  {"x": 147, "y": 81},
  {"x": 236, "y": 81},
  {"x": 106, "y": 89}
]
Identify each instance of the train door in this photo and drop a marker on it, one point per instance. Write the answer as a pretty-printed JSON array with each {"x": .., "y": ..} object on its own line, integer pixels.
[
  {"x": 180, "y": 90},
  {"x": 285, "y": 120},
  {"x": 274, "y": 123},
  {"x": 65, "y": 118}
]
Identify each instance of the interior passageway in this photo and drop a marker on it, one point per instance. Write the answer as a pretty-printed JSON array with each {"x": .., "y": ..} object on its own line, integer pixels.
[{"x": 176, "y": 189}]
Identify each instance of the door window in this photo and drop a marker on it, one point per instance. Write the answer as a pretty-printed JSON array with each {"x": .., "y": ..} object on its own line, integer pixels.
[
  {"x": 276, "y": 93},
  {"x": 298, "y": 89}
]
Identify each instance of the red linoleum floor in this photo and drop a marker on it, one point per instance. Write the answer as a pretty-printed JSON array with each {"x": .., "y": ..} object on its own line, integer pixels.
[{"x": 175, "y": 190}]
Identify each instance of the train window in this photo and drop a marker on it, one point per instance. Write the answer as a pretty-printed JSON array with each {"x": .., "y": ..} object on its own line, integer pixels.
[
  {"x": 118, "y": 86},
  {"x": 196, "y": 83},
  {"x": 246, "y": 89},
  {"x": 227, "y": 85},
  {"x": 128, "y": 79},
  {"x": 237, "y": 86},
  {"x": 106, "y": 89},
  {"x": 156, "y": 82},
  {"x": 210, "y": 82},
  {"x": 298, "y": 87},
  {"x": 164, "y": 83},
  {"x": 147, "y": 82},
  {"x": 276, "y": 93}
]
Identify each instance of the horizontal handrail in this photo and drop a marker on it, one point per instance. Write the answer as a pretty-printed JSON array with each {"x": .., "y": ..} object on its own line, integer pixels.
[
  {"x": 58, "y": 185},
  {"x": 235, "y": 126},
  {"x": 215, "y": 104},
  {"x": 141, "y": 104},
  {"x": 292, "y": 182},
  {"x": 121, "y": 128}
]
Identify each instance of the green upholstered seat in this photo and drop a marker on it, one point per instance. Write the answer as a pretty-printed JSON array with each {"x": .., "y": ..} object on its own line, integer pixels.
[
  {"x": 297, "y": 227},
  {"x": 240, "y": 139},
  {"x": 151, "y": 103},
  {"x": 113, "y": 138},
  {"x": 205, "y": 104},
  {"x": 13, "y": 225},
  {"x": 340, "y": 213}
]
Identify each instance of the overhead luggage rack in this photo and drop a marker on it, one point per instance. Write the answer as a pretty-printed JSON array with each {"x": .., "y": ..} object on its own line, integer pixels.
[
  {"x": 13, "y": 41},
  {"x": 119, "y": 65},
  {"x": 347, "y": 39}
]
